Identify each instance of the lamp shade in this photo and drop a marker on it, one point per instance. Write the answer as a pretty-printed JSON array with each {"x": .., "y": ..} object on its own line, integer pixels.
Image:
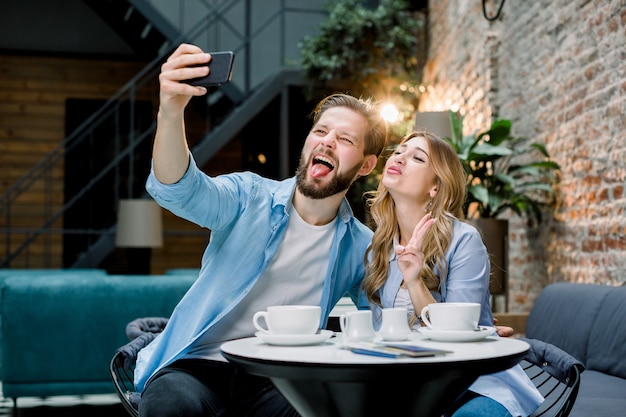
[
  {"x": 139, "y": 224},
  {"x": 437, "y": 122}
]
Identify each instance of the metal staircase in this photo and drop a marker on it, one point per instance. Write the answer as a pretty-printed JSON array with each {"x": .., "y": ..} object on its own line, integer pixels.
[
  {"x": 227, "y": 108},
  {"x": 142, "y": 27}
]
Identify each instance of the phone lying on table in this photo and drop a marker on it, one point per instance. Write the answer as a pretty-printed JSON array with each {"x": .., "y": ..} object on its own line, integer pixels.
[
  {"x": 392, "y": 350},
  {"x": 220, "y": 70}
]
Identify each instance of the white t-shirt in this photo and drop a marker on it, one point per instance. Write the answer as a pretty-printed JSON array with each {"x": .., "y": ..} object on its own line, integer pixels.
[{"x": 295, "y": 276}]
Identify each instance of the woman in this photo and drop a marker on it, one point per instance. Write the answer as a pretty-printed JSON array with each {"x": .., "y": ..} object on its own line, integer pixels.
[{"x": 422, "y": 252}]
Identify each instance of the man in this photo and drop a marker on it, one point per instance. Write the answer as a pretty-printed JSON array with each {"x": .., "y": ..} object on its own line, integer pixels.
[{"x": 272, "y": 242}]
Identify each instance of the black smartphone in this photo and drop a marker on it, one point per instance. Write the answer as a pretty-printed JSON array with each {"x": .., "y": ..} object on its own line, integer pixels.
[{"x": 221, "y": 69}]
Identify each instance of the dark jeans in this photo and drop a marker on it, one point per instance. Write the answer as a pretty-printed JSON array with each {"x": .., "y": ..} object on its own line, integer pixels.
[{"x": 196, "y": 387}]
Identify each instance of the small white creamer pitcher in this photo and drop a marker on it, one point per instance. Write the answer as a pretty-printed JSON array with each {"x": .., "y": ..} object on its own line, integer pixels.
[
  {"x": 395, "y": 324},
  {"x": 356, "y": 326}
]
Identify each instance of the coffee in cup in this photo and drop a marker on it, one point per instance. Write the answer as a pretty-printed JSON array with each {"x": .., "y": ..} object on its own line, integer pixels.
[
  {"x": 451, "y": 316},
  {"x": 288, "y": 320}
]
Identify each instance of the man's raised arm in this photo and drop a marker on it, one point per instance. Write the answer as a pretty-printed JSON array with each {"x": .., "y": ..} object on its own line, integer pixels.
[{"x": 170, "y": 151}]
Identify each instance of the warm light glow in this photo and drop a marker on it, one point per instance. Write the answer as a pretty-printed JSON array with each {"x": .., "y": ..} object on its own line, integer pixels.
[{"x": 390, "y": 113}]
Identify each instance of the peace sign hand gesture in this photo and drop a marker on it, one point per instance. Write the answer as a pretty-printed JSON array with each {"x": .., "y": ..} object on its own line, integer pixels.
[{"x": 411, "y": 256}]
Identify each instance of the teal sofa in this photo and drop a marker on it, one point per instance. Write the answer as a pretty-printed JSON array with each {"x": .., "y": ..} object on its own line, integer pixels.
[
  {"x": 60, "y": 331},
  {"x": 29, "y": 273}
]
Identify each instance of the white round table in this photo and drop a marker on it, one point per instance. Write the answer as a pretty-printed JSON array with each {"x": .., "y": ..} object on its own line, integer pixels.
[{"x": 330, "y": 381}]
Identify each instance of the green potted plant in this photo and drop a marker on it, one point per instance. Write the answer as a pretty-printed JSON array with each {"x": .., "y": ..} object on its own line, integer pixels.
[{"x": 504, "y": 172}]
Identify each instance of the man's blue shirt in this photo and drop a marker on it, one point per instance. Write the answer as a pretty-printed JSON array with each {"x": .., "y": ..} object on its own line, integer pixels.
[{"x": 247, "y": 215}]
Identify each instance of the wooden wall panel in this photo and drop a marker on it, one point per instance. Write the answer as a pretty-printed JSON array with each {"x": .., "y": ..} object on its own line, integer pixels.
[{"x": 33, "y": 92}]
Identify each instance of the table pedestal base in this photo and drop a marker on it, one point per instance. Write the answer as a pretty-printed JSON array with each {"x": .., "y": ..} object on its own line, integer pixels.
[{"x": 375, "y": 399}]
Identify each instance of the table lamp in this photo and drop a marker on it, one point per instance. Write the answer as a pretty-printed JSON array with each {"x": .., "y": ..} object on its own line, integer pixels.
[
  {"x": 437, "y": 122},
  {"x": 139, "y": 229}
]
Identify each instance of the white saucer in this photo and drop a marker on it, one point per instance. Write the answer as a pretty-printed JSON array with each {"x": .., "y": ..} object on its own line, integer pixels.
[
  {"x": 294, "y": 340},
  {"x": 457, "y": 335}
]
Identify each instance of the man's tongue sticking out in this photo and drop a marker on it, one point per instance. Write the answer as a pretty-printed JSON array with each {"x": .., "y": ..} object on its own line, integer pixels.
[
  {"x": 320, "y": 167},
  {"x": 319, "y": 170}
]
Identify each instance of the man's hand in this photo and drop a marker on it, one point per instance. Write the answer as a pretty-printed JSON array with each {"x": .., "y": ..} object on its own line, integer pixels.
[{"x": 175, "y": 95}]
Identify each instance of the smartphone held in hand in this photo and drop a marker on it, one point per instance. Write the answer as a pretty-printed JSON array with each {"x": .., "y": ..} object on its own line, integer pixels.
[{"x": 220, "y": 70}]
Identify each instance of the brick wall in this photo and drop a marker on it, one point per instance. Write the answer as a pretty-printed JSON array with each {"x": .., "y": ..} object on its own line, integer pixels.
[{"x": 557, "y": 69}]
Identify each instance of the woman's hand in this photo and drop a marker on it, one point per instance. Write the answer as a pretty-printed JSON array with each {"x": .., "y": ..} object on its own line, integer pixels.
[
  {"x": 503, "y": 331},
  {"x": 411, "y": 256}
]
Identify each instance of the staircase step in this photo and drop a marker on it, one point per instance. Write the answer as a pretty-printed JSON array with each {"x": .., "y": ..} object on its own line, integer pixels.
[{"x": 132, "y": 26}]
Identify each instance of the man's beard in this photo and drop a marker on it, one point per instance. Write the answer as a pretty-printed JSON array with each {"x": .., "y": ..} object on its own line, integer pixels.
[{"x": 338, "y": 184}]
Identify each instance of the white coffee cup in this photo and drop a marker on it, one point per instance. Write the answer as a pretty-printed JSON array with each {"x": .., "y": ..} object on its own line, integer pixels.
[
  {"x": 356, "y": 326},
  {"x": 289, "y": 320},
  {"x": 395, "y": 324},
  {"x": 451, "y": 316}
]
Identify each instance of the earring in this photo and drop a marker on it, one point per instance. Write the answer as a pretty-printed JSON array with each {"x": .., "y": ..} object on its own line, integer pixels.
[{"x": 429, "y": 205}]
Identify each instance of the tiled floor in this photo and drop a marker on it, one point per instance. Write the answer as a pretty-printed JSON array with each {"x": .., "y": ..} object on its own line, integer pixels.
[{"x": 64, "y": 406}]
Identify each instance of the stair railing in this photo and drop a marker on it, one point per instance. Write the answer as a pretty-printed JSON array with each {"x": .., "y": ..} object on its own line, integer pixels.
[{"x": 49, "y": 233}]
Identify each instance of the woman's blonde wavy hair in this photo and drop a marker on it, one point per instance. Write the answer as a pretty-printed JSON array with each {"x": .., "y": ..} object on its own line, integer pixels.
[{"x": 447, "y": 205}]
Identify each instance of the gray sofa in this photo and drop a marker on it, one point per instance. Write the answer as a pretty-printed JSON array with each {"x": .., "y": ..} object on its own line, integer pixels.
[
  {"x": 589, "y": 322},
  {"x": 60, "y": 330}
]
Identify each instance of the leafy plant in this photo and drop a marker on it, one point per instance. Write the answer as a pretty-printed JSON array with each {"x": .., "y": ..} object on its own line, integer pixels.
[
  {"x": 370, "y": 51},
  {"x": 504, "y": 172}
]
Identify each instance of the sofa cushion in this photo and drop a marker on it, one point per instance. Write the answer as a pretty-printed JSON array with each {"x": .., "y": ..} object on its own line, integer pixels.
[
  {"x": 599, "y": 395},
  {"x": 61, "y": 331},
  {"x": 29, "y": 273},
  {"x": 564, "y": 314},
  {"x": 607, "y": 343}
]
